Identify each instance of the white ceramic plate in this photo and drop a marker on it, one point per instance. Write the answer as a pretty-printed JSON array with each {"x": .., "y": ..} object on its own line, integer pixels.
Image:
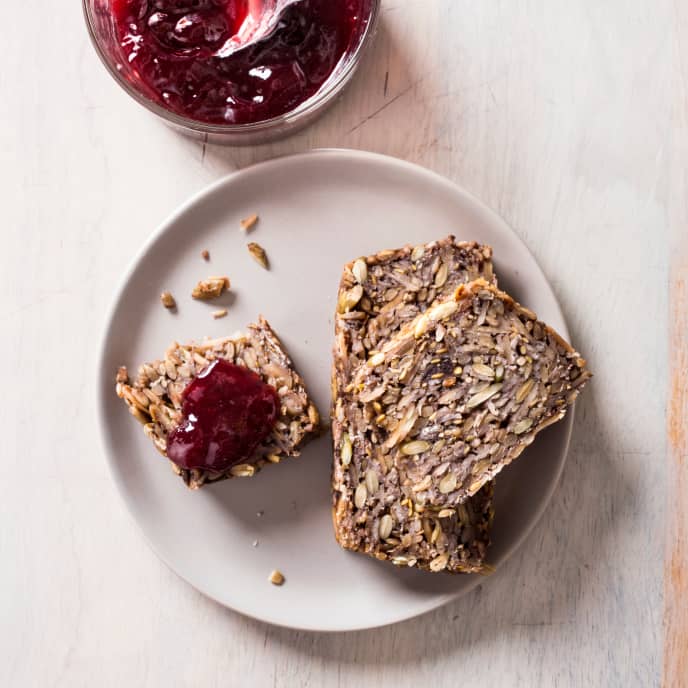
[{"x": 317, "y": 211}]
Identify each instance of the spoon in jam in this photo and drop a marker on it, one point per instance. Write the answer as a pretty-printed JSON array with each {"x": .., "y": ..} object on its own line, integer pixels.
[{"x": 262, "y": 19}]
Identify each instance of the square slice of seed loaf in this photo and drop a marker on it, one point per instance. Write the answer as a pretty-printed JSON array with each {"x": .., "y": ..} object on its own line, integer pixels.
[
  {"x": 464, "y": 389},
  {"x": 377, "y": 296},
  {"x": 154, "y": 398}
]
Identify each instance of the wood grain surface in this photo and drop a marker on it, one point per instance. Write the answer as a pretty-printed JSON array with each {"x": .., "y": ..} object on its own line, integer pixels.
[
  {"x": 569, "y": 119},
  {"x": 675, "y": 673}
]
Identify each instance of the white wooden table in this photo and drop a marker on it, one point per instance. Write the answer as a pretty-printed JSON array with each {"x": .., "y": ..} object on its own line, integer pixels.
[{"x": 568, "y": 118}]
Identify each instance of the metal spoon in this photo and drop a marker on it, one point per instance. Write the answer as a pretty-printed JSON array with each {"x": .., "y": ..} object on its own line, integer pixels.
[{"x": 261, "y": 21}]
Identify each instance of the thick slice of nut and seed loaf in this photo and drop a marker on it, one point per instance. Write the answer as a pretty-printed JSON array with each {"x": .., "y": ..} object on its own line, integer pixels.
[
  {"x": 462, "y": 390},
  {"x": 377, "y": 296},
  {"x": 154, "y": 398}
]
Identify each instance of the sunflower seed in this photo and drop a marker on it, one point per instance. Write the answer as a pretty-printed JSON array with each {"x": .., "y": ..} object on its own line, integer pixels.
[
  {"x": 524, "y": 390},
  {"x": 424, "y": 484},
  {"x": 404, "y": 561},
  {"x": 259, "y": 255},
  {"x": 442, "y": 311},
  {"x": 349, "y": 299},
  {"x": 360, "y": 271},
  {"x": 441, "y": 276},
  {"x": 436, "y": 532},
  {"x": 346, "y": 451},
  {"x": 439, "y": 563},
  {"x": 523, "y": 426},
  {"x": 448, "y": 483},
  {"x": 417, "y": 253},
  {"x": 482, "y": 397},
  {"x": 376, "y": 359},
  {"x": 243, "y": 470},
  {"x": 360, "y": 496},
  {"x": 417, "y": 447},
  {"x": 371, "y": 482},
  {"x": 483, "y": 371},
  {"x": 386, "y": 525}
]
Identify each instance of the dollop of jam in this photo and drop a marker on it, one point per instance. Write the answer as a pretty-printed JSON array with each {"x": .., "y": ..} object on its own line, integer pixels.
[
  {"x": 172, "y": 51},
  {"x": 227, "y": 412}
]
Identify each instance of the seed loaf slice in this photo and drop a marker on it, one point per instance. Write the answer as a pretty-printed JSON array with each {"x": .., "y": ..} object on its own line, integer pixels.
[
  {"x": 377, "y": 296},
  {"x": 155, "y": 397},
  {"x": 463, "y": 389}
]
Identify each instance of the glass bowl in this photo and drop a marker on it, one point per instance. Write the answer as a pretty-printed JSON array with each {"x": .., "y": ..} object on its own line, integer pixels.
[{"x": 103, "y": 35}]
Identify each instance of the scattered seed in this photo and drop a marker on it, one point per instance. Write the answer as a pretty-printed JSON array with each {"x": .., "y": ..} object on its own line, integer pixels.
[
  {"x": 259, "y": 255},
  {"x": 210, "y": 288},
  {"x": 168, "y": 300},
  {"x": 254, "y": 543},
  {"x": 220, "y": 314},
  {"x": 205, "y": 254},
  {"x": 276, "y": 578},
  {"x": 248, "y": 223}
]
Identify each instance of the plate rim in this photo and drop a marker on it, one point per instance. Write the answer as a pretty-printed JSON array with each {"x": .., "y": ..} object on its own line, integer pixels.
[{"x": 104, "y": 389}]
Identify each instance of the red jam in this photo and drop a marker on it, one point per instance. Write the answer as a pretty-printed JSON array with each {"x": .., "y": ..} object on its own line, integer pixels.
[
  {"x": 171, "y": 48},
  {"x": 227, "y": 412}
]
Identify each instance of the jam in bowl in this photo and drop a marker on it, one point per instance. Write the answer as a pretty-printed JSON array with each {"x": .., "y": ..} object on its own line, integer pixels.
[{"x": 169, "y": 55}]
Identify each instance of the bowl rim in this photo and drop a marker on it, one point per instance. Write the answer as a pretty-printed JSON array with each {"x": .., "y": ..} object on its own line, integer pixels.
[{"x": 327, "y": 92}]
